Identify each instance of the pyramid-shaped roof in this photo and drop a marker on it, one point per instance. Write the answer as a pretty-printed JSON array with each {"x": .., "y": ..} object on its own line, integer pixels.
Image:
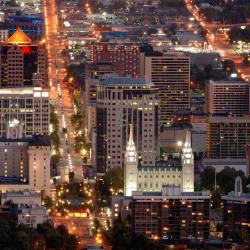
[{"x": 19, "y": 37}]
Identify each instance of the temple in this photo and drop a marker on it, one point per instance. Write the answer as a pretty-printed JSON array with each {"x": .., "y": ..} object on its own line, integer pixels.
[{"x": 172, "y": 172}]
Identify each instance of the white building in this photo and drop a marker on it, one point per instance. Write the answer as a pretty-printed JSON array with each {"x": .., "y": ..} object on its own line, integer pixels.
[
  {"x": 122, "y": 101},
  {"x": 31, "y": 216},
  {"x": 163, "y": 173},
  {"x": 22, "y": 198},
  {"x": 29, "y": 106},
  {"x": 24, "y": 162}
]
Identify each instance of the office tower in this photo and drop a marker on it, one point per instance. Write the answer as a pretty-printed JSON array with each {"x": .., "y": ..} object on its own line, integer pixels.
[
  {"x": 22, "y": 62},
  {"x": 236, "y": 207},
  {"x": 27, "y": 106},
  {"x": 169, "y": 72},
  {"x": 126, "y": 55},
  {"x": 228, "y": 137},
  {"x": 171, "y": 214},
  {"x": 227, "y": 97},
  {"x": 122, "y": 101}
]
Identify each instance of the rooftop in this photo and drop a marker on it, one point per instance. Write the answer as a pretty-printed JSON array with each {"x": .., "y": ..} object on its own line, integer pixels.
[
  {"x": 19, "y": 37},
  {"x": 123, "y": 81},
  {"x": 171, "y": 164},
  {"x": 35, "y": 140}
]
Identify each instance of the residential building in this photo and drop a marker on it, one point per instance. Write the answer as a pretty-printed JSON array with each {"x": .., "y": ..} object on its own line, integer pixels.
[
  {"x": 171, "y": 214},
  {"x": 170, "y": 72},
  {"x": 23, "y": 63},
  {"x": 124, "y": 54},
  {"x": 27, "y": 106},
  {"x": 227, "y": 97},
  {"x": 236, "y": 217},
  {"x": 122, "y": 101}
]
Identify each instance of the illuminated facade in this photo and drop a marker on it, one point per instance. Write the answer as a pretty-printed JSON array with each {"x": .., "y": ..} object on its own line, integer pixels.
[
  {"x": 228, "y": 137},
  {"x": 152, "y": 178},
  {"x": 171, "y": 214},
  {"x": 130, "y": 169},
  {"x": 23, "y": 63},
  {"x": 171, "y": 74},
  {"x": 29, "y": 106},
  {"x": 187, "y": 160},
  {"x": 227, "y": 98},
  {"x": 127, "y": 55},
  {"x": 25, "y": 163},
  {"x": 122, "y": 101}
]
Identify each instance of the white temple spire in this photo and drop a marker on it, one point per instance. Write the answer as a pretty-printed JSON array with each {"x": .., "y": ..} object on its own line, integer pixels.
[
  {"x": 187, "y": 160},
  {"x": 130, "y": 168}
]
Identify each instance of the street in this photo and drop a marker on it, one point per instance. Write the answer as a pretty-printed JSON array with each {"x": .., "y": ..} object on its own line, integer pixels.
[
  {"x": 219, "y": 42},
  {"x": 61, "y": 100}
]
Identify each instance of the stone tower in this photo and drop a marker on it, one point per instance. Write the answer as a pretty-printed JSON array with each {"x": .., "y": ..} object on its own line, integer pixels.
[
  {"x": 187, "y": 162},
  {"x": 130, "y": 167}
]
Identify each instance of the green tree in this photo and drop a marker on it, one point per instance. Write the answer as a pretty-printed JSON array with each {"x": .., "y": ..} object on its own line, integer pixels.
[{"x": 208, "y": 178}]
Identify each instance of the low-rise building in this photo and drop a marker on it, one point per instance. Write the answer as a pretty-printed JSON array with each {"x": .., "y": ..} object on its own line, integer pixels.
[
  {"x": 31, "y": 216},
  {"x": 22, "y": 198}
]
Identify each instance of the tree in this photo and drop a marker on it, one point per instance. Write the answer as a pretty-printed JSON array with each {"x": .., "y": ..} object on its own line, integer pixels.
[
  {"x": 215, "y": 199},
  {"x": 229, "y": 66},
  {"x": 121, "y": 237},
  {"x": 208, "y": 178},
  {"x": 115, "y": 179},
  {"x": 47, "y": 202},
  {"x": 71, "y": 177}
]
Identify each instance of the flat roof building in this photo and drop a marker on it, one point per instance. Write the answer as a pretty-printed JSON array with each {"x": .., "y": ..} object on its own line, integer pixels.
[
  {"x": 227, "y": 97},
  {"x": 27, "y": 106},
  {"x": 170, "y": 72}
]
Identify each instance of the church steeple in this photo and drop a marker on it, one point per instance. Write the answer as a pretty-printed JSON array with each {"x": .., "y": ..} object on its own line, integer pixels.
[
  {"x": 187, "y": 160},
  {"x": 130, "y": 149},
  {"x": 130, "y": 167}
]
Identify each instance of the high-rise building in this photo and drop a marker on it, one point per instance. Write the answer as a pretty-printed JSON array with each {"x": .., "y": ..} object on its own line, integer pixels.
[
  {"x": 27, "y": 106},
  {"x": 236, "y": 207},
  {"x": 124, "y": 54},
  {"x": 171, "y": 214},
  {"x": 227, "y": 97},
  {"x": 169, "y": 72},
  {"x": 228, "y": 137},
  {"x": 22, "y": 62},
  {"x": 122, "y": 101}
]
